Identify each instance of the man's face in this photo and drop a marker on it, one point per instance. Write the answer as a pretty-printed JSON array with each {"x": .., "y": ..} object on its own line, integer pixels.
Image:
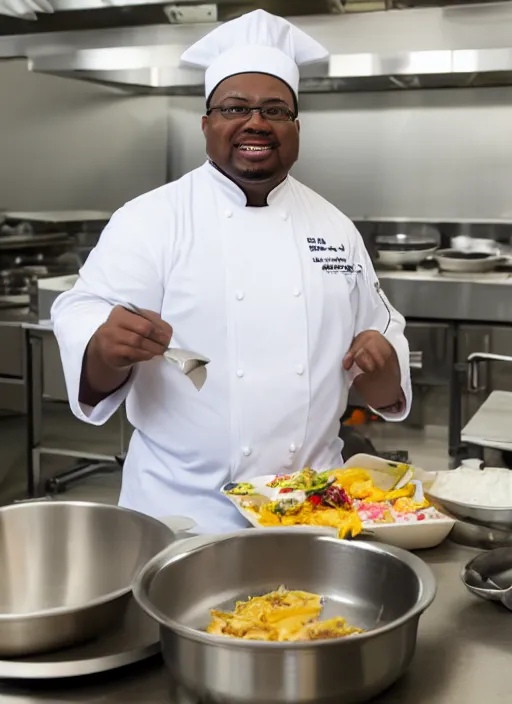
[{"x": 252, "y": 149}]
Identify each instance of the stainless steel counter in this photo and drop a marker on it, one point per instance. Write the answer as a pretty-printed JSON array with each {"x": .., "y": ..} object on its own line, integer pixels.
[
  {"x": 463, "y": 655},
  {"x": 459, "y": 297},
  {"x": 16, "y": 316}
]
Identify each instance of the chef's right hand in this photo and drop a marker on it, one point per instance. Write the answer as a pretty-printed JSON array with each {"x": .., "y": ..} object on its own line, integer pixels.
[{"x": 125, "y": 338}]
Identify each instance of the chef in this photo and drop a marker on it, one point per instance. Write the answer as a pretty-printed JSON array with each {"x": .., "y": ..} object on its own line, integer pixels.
[{"x": 240, "y": 262}]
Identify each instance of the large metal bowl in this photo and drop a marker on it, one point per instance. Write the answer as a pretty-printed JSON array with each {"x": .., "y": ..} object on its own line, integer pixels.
[
  {"x": 66, "y": 570},
  {"x": 376, "y": 587}
]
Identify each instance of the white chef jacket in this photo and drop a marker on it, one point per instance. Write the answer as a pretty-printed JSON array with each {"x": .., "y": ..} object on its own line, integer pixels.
[{"x": 273, "y": 296}]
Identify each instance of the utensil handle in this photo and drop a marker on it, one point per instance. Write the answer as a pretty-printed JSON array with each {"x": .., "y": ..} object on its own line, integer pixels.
[{"x": 131, "y": 308}]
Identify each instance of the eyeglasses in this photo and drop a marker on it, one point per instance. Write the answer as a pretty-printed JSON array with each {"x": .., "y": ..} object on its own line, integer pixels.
[{"x": 273, "y": 113}]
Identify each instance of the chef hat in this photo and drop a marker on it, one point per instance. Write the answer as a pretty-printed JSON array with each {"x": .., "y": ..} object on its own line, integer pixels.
[{"x": 257, "y": 42}]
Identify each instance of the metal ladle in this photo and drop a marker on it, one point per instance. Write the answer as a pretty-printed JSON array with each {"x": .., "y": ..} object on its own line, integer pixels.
[
  {"x": 192, "y": 364},
  {"x": 480, "y": 575}
]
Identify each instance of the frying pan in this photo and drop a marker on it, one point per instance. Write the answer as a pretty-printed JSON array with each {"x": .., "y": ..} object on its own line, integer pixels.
[
  {"x": 405, "y": 249},
  {"x": 467, "y": 262}
]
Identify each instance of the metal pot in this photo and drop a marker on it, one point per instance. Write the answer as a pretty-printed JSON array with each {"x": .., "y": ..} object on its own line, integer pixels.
[
  {"x": 375, "y": 587},
  {"x": 67, "y": 569},
  {"x": 463, "y": 262}
]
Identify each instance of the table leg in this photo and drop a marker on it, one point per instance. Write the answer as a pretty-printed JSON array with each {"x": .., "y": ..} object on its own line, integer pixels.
[
  {"x": 34, "y": 401},
  {"x": 122, "y": 438},
  {"x": 455, "y": 407}
]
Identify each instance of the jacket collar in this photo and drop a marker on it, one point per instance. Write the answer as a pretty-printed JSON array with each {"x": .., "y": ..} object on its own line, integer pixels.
[{"x": 235, "y": 194}]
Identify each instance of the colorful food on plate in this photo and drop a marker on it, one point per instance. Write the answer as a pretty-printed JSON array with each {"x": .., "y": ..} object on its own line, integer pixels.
[
  {"x": 331, "y": 507},
  {"x": 279, "y": 616},
  {"x": 241, "y": 489},
  {"x": 345, "y": 499},
  {"x": 308, "y": 480}
]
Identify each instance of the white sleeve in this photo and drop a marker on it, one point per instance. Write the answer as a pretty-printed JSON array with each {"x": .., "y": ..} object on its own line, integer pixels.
[
  {"x": 126, "y": 266},
  {"x": 373, "y": 311}
]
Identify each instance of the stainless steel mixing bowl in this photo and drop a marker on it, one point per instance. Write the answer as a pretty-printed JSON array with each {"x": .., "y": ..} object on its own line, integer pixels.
[
  {"x": 498, "y": 518},
  {"x": 375, "y": 587},
  {"x": 66, "y": 570}
]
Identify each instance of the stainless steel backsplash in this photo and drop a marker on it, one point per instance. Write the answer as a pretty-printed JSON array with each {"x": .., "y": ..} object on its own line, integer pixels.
[
  {"x": 67, "y": 145},
  {"x": 440, "y": 154},
  {"x": 443, "y": 154}
]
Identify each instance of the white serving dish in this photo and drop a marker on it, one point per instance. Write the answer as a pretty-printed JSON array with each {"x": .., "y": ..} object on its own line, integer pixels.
[{"x": 408, "y": 536}]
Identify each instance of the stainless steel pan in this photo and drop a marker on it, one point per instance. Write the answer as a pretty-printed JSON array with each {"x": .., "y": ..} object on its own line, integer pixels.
[
  {"x": 66, "y": 570},
  {"x": 406, "y": 248},
  {"x": 467, "y": 262},
  {"x": 374, "y": 586},
  {"x": 397, "y": 258}
]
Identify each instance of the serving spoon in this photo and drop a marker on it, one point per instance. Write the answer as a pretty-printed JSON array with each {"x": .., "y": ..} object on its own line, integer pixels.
[{"x": 192, "y": 364}]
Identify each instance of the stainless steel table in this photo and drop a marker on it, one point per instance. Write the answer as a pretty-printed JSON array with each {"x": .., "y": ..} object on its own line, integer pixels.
[
  {"x": 463, "y": 655},
  {"x": 35, "y": 383},
  {"x": 30, "y": 373}
]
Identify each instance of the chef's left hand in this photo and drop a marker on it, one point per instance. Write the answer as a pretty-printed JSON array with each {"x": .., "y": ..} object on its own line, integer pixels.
[{"x": 370, "y": 351}]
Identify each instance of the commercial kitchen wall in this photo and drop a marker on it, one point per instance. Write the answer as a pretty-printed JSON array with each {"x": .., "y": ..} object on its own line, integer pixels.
[
  {"x": 437, "y": 154},
  {"x": 426, "y": 154},
  {"x": 71, "y": 145}
]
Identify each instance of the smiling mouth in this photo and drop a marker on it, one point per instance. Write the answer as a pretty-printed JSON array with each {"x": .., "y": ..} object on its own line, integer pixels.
[{"x": 255, "y": 148}]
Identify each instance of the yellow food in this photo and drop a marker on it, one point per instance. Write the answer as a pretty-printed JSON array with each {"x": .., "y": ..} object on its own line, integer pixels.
[
  {"x": 346, "y": 477},
  {"x": 359, "y": 487},
  {"x": 279, "y": 616},
  {"x": 346, "y": 521},
  {"x": 407, "y": 505},
  {"x": 369, "y": 492}
]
